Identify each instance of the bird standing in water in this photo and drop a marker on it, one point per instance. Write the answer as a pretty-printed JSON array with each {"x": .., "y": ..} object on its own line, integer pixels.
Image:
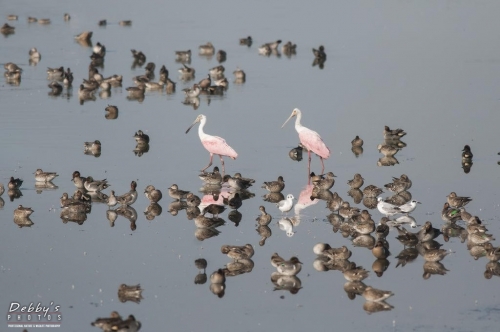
[
  {"x": 310, "y": 140},
  {"x": 214, "y": 144}
]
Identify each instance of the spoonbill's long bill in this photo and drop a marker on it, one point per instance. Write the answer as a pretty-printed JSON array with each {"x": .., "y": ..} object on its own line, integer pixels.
[
  {"x": 214, "y": 144},
  {"x": 310, "y": 139}
]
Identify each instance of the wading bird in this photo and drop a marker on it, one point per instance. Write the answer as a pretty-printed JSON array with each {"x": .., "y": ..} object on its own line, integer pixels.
[
  {"x": 214, "y": 144},
  {"x": 310, "y": 139}
]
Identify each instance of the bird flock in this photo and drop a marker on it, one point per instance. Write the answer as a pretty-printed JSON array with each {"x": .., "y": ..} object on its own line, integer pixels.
[{"x": 222, "y": 191}]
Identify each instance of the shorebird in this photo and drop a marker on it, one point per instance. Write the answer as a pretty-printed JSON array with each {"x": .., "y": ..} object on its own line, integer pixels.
[
  {"x": 214, "y": 144},
  {"x": 286, "y": 204},
  {"x": 275, "y": 186},
  {"x": 387, "y": 209},
  {"x": 310, "y": 140},
  {"x": 409, "y": 207}
]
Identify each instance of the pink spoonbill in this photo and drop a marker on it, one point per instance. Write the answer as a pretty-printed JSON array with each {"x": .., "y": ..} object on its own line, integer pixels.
[
  {"x": 310, "y": 139},
  {"x": 214, "y": 144}
]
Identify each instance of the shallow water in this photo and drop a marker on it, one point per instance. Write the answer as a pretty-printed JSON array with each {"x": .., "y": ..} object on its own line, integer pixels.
[{"x": 428, "y": 68}]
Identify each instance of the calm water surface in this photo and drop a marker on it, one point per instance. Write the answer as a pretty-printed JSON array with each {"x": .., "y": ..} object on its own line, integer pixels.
[{"x": 431, "y": 68}]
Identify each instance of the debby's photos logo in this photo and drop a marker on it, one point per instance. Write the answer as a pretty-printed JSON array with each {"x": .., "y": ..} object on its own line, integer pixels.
[{"x": 34, "y": 315}]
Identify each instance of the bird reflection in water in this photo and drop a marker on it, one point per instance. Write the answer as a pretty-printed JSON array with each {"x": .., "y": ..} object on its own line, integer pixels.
[
  {"x": 140, "y": 149},
  {"x": 323, "y": 264},
  {"x": 399, "y": 198},
  {"x": 152, "y": 210},
  {"x": 203, "y": 222},
  {"x": 41, "y": 186},
  {"x": 369, "y": 202},
  {"x": 379, "y": 266},
  {"x": 492, "y": 269},
  {"x": 304, "y": 200},
  {"x": 175, "y": 207},
  {"x": 273, "y": 197},
  {"x": 467, "y": 165},
  {"x": 129, "y": 213},
  {"x": 14, "y": 194},
  {"x": 218, "y": 283},
  {"x": 194, "y": 102},
  {"x": 286, "y": 225},
  {"x": 366, "y": 241},
  {"x": 286, "y": 283},
  {"x": 353, "y": 288},
  {"x": 235, "y": 217},
  {"x": 22, "y": 216},
  {"x": 130, "y": 293},
  {"x": 453, "y": 230},
  {"x": 433, "y": 268},
  {"x": 201, "y": 277},
  {"x": 373, "y": 307},
  {"x": 192, "y": 212},
  {"x": 238, "y": 267},
  {"x": 202, "y": 234},
  {"x": 406, "y": 256},
  {"x": 75, "y": 210},
  {"x": 111, "y": 215},
  {"x": 357, "y": 196},
  {"x": 387, "y": 161},
  {"x": 265, "y": 233},
  {"x": 319, "y": 62}
]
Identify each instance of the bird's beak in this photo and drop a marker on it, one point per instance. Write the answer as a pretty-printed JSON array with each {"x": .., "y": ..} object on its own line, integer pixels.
[
  {"x": 291, "y": 116},
  {"x": 192, "y": 125},
  {"x": 419, "y": 203}
]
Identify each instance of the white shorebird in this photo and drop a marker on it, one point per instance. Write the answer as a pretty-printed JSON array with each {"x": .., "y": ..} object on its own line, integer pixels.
[
  {"x": 409, "y": 207},
  {"x": 286, "y": 225},
  {"x": 286, "y": 204},
  {"x": 387, "y": 209}
]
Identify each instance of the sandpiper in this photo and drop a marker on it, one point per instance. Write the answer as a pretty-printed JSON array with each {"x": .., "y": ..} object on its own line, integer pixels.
[{"x": 275, "y": 186}]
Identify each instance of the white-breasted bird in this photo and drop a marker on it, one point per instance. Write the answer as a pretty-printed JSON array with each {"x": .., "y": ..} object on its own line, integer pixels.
[
  {"x": 387, "y": 209},
  {"x": 286, "y": 204}
]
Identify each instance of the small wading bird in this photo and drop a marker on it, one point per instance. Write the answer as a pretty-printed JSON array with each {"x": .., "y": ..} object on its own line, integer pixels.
[
  {"x": 309, "y": 139},
  {"x": 214, "y": 144}
]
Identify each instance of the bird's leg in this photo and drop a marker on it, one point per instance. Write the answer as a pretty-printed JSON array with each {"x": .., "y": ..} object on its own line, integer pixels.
[
  {"x": 322, "y": 166},
  {"x": 222, "y": 163},
  {"x": 210, "y": 163},
  {"x": 309, "y": 166}
]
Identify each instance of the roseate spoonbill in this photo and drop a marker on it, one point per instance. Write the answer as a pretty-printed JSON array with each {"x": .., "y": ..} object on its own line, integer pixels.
[
  {"x": 309, "y": 139},
  {"x": 214, "y": 144}
]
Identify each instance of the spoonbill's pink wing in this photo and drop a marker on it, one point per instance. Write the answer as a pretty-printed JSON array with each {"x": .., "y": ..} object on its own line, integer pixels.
[
  {"x": 313, "y": 142},
  {"x": 217, "y": 145}
]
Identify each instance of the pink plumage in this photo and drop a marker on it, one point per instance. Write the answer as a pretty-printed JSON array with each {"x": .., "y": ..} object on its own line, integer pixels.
[
  {"x": 218, "y": 145},
  {"x": 312, "y": 141},
  {"x": 309, "y": 139},
  {"x": 213, "y": 144}
]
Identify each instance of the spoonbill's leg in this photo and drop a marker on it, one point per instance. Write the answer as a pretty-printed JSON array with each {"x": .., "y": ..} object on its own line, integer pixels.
[
  {"x": 309, "y": 163},
  {"x": 222, "y": 163},
  {"x": 210, "y": 163},
  {"x": 322, "y": 166}
]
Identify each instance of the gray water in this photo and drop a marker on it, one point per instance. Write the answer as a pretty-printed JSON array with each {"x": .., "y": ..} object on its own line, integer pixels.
[{"x": 428, "y": 67}]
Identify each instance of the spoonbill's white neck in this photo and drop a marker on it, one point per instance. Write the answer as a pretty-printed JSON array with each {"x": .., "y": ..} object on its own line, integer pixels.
[{"x": 201, "y": 133}]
